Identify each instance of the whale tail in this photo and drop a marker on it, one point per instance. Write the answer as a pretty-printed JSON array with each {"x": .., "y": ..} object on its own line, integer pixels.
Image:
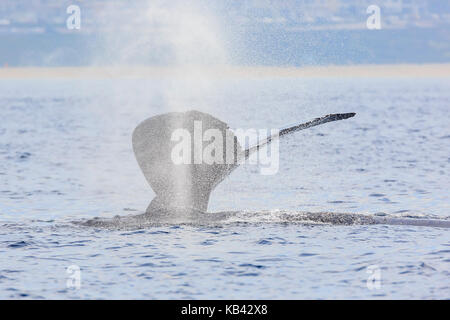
[{"x": 187, "y": 185}]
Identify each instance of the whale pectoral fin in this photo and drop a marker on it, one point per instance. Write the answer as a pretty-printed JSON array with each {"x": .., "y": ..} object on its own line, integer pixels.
[{"x": 297, "y": 127}]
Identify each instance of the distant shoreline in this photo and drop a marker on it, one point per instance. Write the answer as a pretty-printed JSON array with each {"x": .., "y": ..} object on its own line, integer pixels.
[{"x": 351, "y": 71}]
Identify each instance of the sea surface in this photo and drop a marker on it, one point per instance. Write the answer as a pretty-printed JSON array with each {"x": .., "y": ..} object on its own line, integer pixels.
[{"x": 66, "y": 155}]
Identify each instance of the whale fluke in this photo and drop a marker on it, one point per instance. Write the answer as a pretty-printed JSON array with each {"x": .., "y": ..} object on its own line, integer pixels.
[
  {"x": 179, "y": 186},
  {"x": 188, "y": 186}
]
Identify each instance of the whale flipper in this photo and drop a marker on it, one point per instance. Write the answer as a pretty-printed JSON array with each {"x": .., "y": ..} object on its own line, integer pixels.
[{"x": 297, "y": 127}]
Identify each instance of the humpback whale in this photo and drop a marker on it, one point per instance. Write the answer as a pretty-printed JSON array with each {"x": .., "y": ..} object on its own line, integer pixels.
[
  {"x": 183, "y": 189},
  {"x": 188, "y": 186}
]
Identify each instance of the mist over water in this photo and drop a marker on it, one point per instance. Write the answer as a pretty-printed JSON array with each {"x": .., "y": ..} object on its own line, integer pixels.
[{"x": 180, "y": 36}]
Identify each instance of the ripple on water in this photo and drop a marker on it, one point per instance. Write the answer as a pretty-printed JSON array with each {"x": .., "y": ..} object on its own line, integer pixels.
[{"x": 19, "y": 244}]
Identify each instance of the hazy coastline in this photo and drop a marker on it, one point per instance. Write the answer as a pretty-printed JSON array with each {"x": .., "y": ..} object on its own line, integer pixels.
[{"x": 358, "y": 71}]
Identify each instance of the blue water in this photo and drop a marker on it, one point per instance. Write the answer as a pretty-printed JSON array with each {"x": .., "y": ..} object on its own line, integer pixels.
[{"x": 65, "y": 155}]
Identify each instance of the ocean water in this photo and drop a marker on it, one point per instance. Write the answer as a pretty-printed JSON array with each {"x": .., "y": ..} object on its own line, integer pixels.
[{"x": 66, "y": 155}]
